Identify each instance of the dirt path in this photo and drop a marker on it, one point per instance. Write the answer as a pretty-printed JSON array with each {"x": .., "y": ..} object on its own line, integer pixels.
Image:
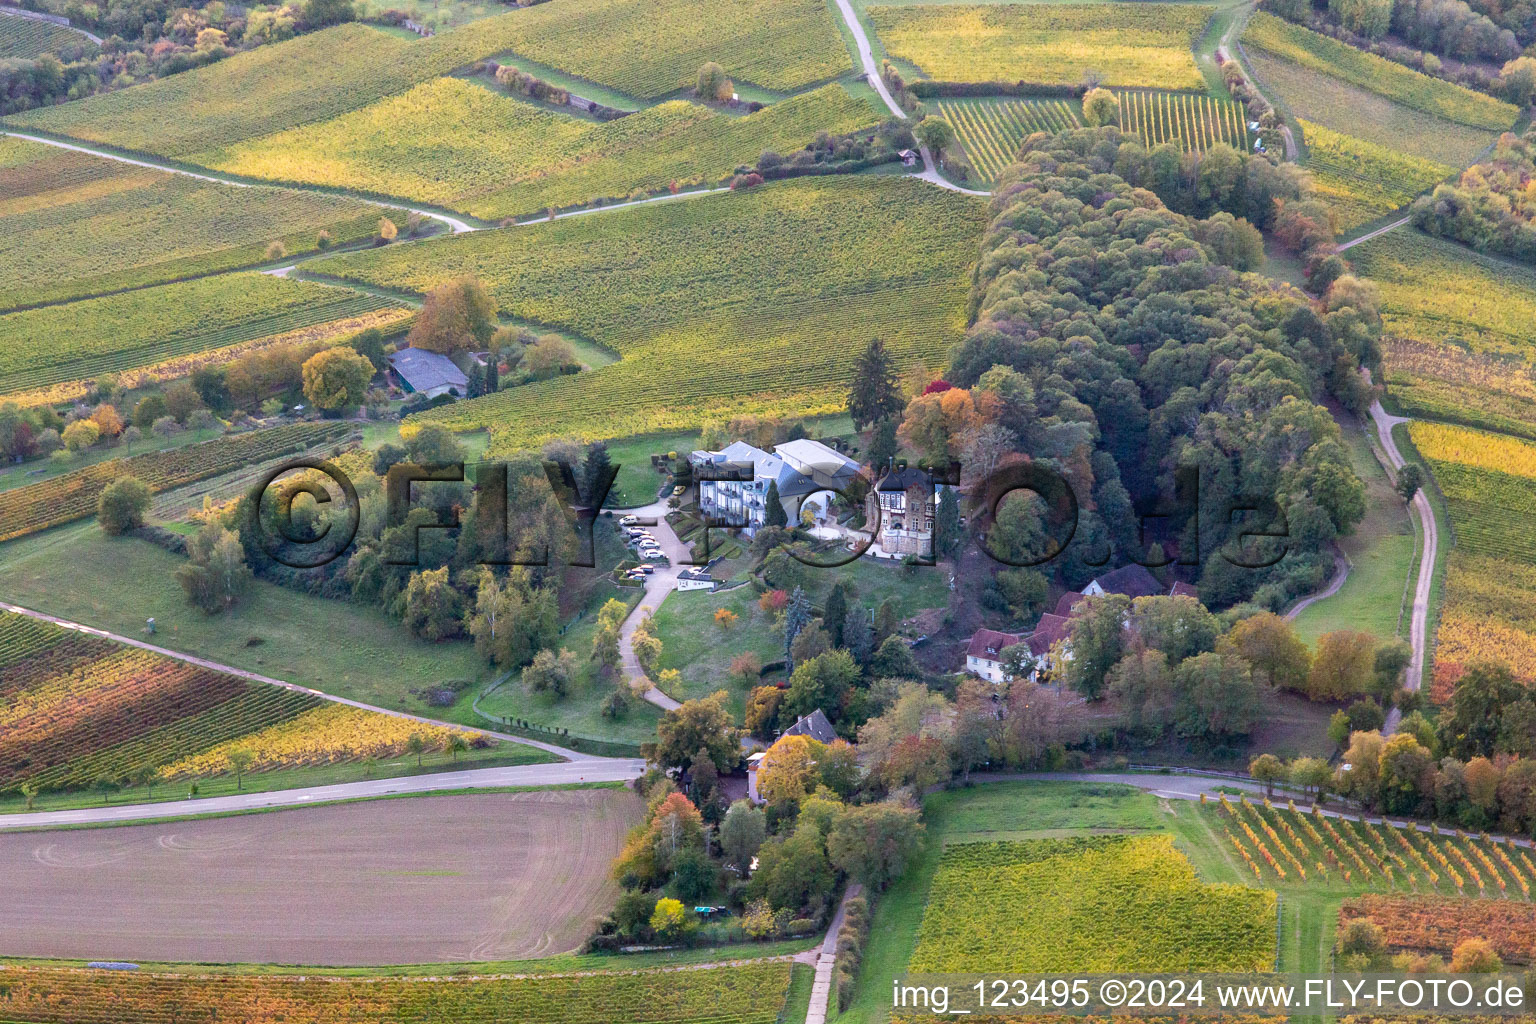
[
  {"x": 569, "y": 755},
  {"x": 1340, "y": 574},
  {"x": 826, "y": 961},
  {"x": 1418, "y": 622},
  {"x": 1373, "y": 234}
]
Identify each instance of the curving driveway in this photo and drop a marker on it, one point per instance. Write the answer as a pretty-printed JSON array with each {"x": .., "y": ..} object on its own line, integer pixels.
[{"x": 657, "y": 586}]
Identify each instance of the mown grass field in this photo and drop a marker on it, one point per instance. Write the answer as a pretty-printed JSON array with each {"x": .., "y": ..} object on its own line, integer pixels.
[
  {"x": 1362, "y": 180},
  {"x": 1143, "y": 44},
  {"x": 991, "y": 128},
  {"x": 1325, "y": 99},
  {"x": 1489, "y": 483},
  {"x": 799, "y": 267},
  {"x": 76, "y": 224},
  {"x": 1458, "y": 343},
  {"x": 1391, "y": 80},
  {"x": 275, "y": 631},
  {"x": 53, "y": 345},
  {"x": 469, "y": 147},
  {"x": 1381, "y": 553},
  {"x": 25, "y": 38}
]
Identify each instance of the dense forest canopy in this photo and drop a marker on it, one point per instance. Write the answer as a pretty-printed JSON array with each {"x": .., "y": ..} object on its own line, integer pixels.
[{"x": 1123, "y": 349}]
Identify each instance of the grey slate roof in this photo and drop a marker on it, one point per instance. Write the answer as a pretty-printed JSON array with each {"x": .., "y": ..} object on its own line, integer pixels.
[
  {"x": 814, "y": 725},
  {"x": 424, "y": 370}
]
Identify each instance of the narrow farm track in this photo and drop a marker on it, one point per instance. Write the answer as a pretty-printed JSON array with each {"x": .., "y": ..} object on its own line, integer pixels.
[
  {"x": 455, "y": 225},
  {"x": 1418, "y": 623},
  {"x": 1340, "y": 574},
  {"x": 1400, "y": 222},
  {"x": 930, "y": 171}
]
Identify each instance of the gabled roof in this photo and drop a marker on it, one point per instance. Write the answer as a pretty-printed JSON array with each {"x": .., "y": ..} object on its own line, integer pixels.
[
  {"x": 763, "y": 466},
  {"x": 821, "y": 463},
  {"x": 1066, "y": 602},
  {"x": 904, "y": 479},
  {"x": 1050, "y": 629},
  {"x": 695, "y": 572},
  {"x": 424, "y": 370},
  {"x": 814, "y": 725},
  {"x": 988, "y": 644},
  {"x": 1131, "y": 580},
  {"x": 1182, "y": 589}
]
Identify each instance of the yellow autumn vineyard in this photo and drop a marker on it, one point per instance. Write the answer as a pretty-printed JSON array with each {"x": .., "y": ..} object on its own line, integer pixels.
[
  {"x": 1489, "y": 483},
  {"x": 325, "y": 735}
]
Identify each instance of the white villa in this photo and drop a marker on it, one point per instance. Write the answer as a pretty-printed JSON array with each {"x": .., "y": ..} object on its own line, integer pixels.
[{"x": 733, "y": 482}]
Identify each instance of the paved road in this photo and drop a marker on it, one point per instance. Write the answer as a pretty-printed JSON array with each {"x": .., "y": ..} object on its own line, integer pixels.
[
  {"x": 454, "y": 224},
  {"x": 599, "y": 769},
  {"x": 826, "y": 960},
  {"x": 657, "y": 586},
  {"x": 1418, "y": 623},
  {"x": 569, "y": 755},
  {"x": 930, "y": 172},
  {"x": 1373, "y": 234}
]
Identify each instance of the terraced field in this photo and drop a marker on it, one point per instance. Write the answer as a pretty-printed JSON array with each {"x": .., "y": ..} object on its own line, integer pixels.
[
  {"x": 25, "y": 38},
  {"x": 1142, "y": 44},
  {"x": 796, "y": 267},
  {"x": 1363, "y": 181},
  {"x": 72, "y": 224},
  {"x": 991, "y": 128},
  {"x": 447, "y": 142},
  {"x": 80, "y": 340}
]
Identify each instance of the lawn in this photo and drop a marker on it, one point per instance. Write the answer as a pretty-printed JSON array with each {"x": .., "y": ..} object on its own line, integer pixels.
[
  {"x": 579, "y": 711},
  {"x": 1381, "y": 553},
  {"x": 702, "y": 651},
  {"x": 873, "y": 581},
  {"x": 78, "y": 573}
]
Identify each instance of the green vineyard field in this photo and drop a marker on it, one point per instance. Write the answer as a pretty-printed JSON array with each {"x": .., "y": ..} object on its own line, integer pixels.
[
  {"x": 63, "y": 499},
  {"x": 805, "y": 266},
  {"x": 406, "y": 146},
  {"x": 85, "y": 339},
  {"x": 25, "y": 38},
  {"x": 77, "y": 224},
  {"x": 991, "y": 128}
]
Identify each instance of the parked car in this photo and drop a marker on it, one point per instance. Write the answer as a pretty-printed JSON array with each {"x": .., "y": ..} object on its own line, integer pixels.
[{"x": 646, "y": 568}]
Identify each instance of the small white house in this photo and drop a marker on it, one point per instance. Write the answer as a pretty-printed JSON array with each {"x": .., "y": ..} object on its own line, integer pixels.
[
  {"x": 984, "y": 655},
  {"x": 695, "y": 578}
]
